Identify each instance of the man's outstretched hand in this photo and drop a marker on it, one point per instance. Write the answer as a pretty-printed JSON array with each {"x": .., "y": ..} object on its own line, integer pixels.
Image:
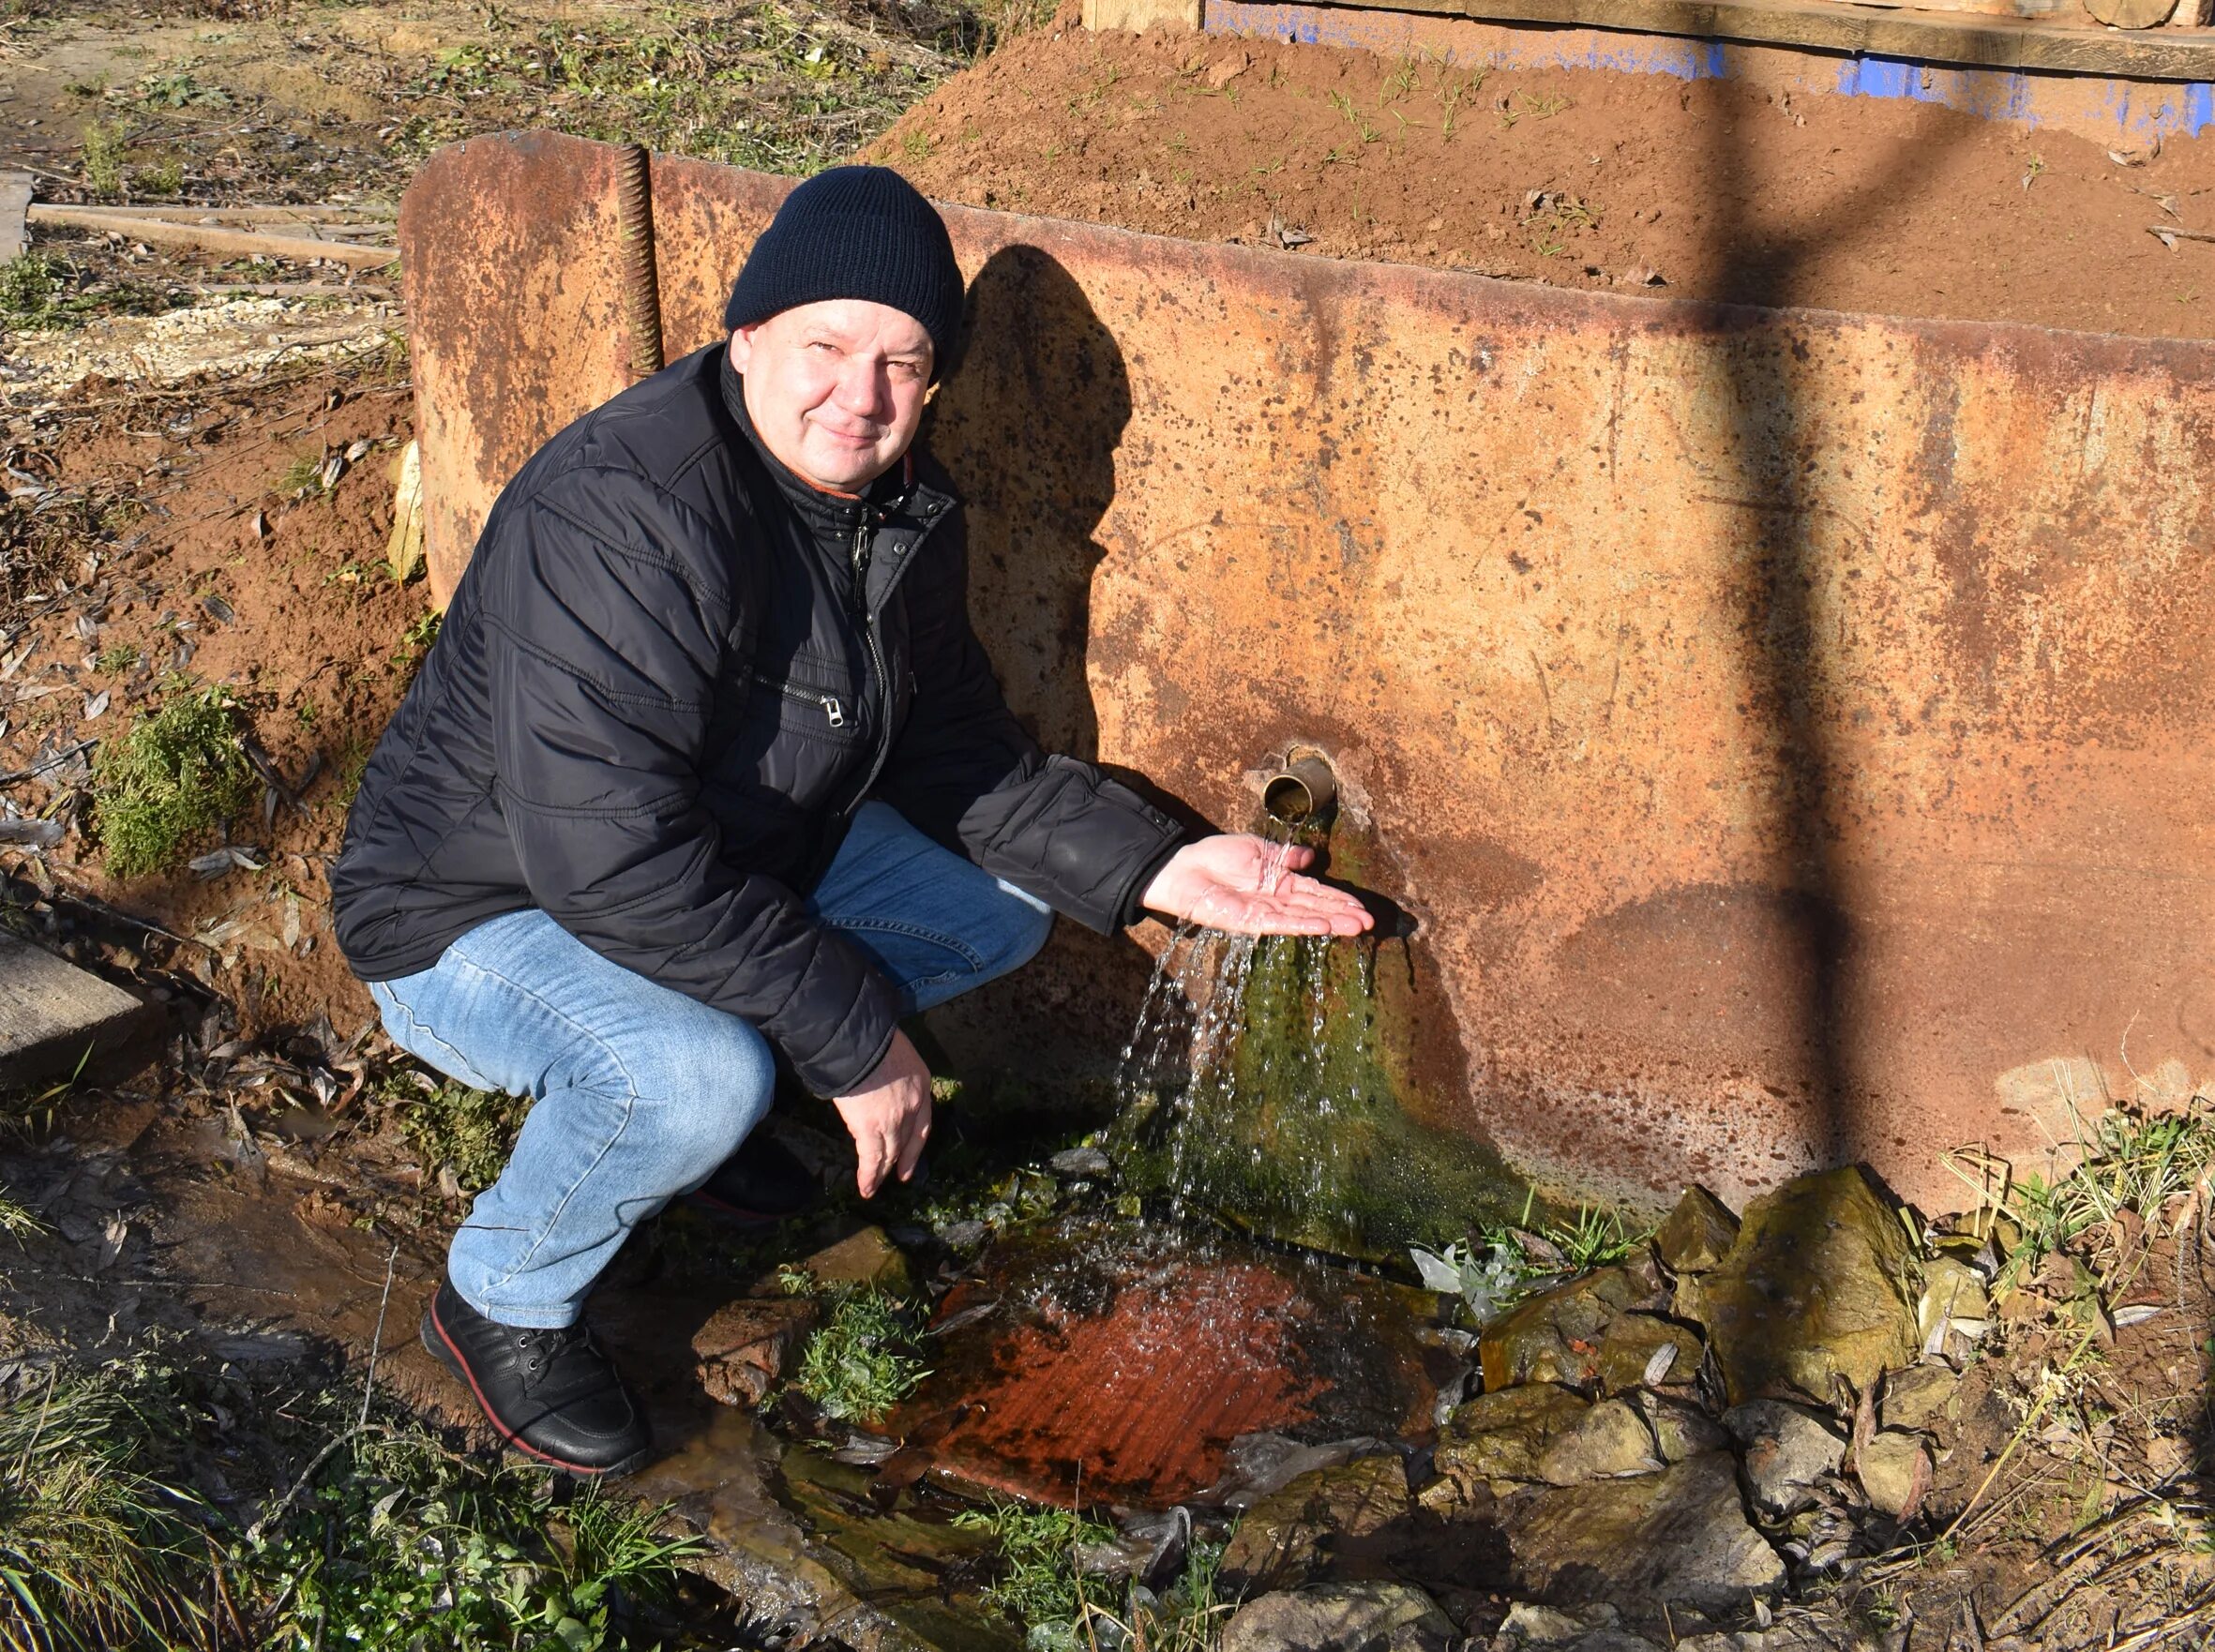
[
  {"x": 1218, "y": 882},
  {"x": 890, "y": 1119}
]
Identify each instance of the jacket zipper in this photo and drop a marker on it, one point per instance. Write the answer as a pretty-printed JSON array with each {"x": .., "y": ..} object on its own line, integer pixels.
[
  {"x": 868, "y": 619},
  {"x": 834, "y": 709}
]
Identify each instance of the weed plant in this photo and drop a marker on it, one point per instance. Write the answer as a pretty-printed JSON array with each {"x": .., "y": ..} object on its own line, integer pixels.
[
  {"x": 2126, "y": 1160},
  {"x": 1188, "y": 1619},
  {"x": 16, "y": 1220},
  {"x": 1502, "y": 1264},
  {"x": 1040, "y": 1581},
  {"x": 174, "y": 777},
  {"x": 467, "y": 1132},
  {"x": 402, "y": 1544},
  {"x": 41, "y": 293},
  {"x": 374, "y": 1534},
  {"x": 860, "y": 1362},
  {"x": 102, "y": 159}
]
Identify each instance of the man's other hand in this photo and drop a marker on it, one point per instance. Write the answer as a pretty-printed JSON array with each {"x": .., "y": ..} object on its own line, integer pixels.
[
  {"x": 890, "y": 1118},
  {"x": 1219, "y": 882}
]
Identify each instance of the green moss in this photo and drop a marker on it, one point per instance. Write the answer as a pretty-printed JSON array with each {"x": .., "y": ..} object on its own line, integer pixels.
[{"x": 174, "y": 777}]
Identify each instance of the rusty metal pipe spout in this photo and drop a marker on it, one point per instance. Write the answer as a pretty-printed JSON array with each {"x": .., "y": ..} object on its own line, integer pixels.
[{"x": 1303, "y": 789}]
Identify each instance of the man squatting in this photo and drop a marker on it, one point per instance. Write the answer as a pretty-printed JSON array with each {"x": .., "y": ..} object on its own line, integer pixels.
[{"x": 707, "y": 768}]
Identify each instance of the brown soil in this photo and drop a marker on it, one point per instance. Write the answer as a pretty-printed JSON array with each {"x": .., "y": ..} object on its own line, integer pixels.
[
  {"x": 289, "y": 605},
  {"x": 1708, "y": 189}
]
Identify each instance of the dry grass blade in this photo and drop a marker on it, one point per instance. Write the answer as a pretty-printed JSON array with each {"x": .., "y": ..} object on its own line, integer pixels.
[{"x": 93, "y": 1552}]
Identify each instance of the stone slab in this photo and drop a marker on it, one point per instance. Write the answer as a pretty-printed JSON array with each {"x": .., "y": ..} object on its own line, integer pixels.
[{"x": 52, "y": 1014}]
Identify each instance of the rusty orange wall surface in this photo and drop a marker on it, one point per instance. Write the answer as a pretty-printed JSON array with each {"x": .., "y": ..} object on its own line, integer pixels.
[{"x": 1792, "y": 731}]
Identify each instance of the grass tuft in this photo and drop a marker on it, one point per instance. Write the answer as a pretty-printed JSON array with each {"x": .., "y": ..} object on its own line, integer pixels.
[
  {"x": 95, "y": 1550},
  {"x": 170, "y": 780},
  {"x": 860, "y": 1362},
  {"x": 1041, "y": 1582}
]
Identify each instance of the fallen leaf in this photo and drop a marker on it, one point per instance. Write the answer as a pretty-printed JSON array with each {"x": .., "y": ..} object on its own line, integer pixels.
[
  {"x": 112, "y": 1243},
  {"x": 218, "y": 610},
  {"x": 96, "y": 705}
]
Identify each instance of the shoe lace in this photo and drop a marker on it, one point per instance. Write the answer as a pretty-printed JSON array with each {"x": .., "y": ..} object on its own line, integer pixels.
[{"x": 542, "y": 1350}]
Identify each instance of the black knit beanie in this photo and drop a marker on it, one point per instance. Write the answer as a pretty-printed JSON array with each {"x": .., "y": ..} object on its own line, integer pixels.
[{"x": 854, "y": 232}]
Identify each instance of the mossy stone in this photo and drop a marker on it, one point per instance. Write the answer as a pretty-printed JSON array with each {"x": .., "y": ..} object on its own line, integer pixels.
[
  {"x": 1557, "y": 1336},
  {"x": 1698, "y": 1234},
  {"x": 1285, "y": 1539},
  {"x": 1503, "y": 1435},
  {"x": 1821, "y": 1285},
  {"x": 1632, "y": 1347}
]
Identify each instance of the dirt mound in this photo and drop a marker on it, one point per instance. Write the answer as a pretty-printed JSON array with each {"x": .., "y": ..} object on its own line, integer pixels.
[
  {"x": 1702, "y": 190},
  {"x": 193, "y": 548}
]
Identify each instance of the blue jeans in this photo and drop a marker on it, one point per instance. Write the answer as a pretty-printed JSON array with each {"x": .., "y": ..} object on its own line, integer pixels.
[{"x": 639, "y": 1092}]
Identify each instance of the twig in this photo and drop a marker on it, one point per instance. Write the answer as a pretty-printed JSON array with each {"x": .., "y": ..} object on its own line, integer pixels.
[
  {"x": 59, "y": 758},
  {"x": 377, "y": 1336},
  {"x": 254, "y": 1533}
]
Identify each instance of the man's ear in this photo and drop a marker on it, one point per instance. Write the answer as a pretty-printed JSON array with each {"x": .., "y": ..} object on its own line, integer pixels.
[{"x": 741, "y": 347}]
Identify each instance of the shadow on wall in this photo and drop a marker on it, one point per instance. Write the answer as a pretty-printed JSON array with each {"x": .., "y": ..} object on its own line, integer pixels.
[
  {"x": 1775, "y": 441},
  {"x": 1040, "y": 376}
]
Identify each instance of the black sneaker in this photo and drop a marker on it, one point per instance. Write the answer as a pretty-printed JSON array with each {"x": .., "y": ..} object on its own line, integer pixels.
[
  {"x": 552, "y": 1394},
  {"x": 760, "y": 1185}
]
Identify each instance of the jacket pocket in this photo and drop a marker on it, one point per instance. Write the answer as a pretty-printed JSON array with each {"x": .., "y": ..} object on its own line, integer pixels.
[{"x": 833, "y": 716}]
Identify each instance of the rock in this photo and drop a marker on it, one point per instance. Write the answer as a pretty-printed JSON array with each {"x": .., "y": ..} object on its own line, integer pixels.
[
  {"x": 1596, "y": 1628},
  {"x": 1895, "y": 1471},
  {"x": 1677, "y": 1538},
  {"x": 746, "y": 1347},
  {"x": 1502, "y": 1436},
  {"x": 1680, "y": 1429},
  {"x": 1917, "y": 1397},
  {"x": 1787, "y": 1448},
  {"x": 865, "y": 1257},
  {"x": 1555, "y": 1336},
  {"x": 1608, "y": 1441},
  {"x": 1078, "y": 1163},
  {"x": 1698, "y": 1234},
  {"x": 1953, "y": 1296},
  {"x": 1343, "y": 1617},
  {"x": 1820, "y": 1284},
  {"x": 1256, "y": 1464},
  {"x": 1284, "y": 1538},
  {"x": 1632, "y": 1354}
]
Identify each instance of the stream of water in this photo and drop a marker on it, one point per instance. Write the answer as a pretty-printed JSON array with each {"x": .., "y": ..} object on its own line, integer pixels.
[{"x": 1245, "y": 1049}]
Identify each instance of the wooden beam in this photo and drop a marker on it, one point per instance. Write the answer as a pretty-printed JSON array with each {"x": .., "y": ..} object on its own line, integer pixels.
[
  {"x": 52, "y": 1014},
  {"x": 15, "y": 202},
  {"x": 214, "y": 238},
  {"x": 1833, "y": 25}
]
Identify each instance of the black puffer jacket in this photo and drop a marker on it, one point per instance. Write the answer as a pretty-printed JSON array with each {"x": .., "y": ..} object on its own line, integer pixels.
[{"x": 669, "y": 676}]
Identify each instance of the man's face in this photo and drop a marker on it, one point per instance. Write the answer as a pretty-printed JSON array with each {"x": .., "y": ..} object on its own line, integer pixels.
[{"x": 835, "y": 389}]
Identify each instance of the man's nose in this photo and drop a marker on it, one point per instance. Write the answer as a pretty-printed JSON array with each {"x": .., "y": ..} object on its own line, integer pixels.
[{"x": 861, "y": 391}]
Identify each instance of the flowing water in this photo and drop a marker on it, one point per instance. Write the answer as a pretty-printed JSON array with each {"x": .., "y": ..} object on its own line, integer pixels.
[{"x": 1269, "y": 1080}]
